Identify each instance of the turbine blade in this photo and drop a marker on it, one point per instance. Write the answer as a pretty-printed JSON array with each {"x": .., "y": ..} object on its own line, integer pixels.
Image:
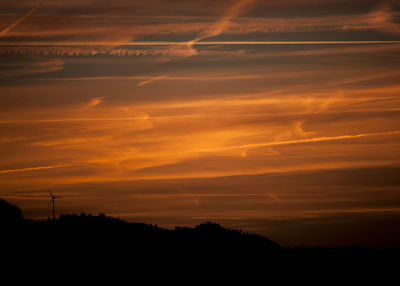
[
  {"x": 51, "y": 194},
  {"x": 50, "y": 203}
]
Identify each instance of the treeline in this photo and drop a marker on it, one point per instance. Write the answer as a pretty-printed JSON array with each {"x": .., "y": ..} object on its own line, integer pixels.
[{"x": 93, "y": 238}]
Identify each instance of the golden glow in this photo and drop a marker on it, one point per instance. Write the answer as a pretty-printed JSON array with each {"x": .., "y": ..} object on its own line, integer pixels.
[{"x": 170, "y": 112}]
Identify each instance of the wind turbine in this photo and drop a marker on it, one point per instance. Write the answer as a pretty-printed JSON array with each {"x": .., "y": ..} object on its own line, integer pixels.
[{"x": 52, "y": 201}]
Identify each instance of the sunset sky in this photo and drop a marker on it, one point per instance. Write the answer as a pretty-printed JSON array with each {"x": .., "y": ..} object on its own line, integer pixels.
[{"x": 280, "y": 117}]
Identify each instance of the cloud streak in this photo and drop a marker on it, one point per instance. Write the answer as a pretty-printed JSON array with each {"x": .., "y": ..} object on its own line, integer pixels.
[
  {"x": 203, "y": 43},
  {"x": 26, "y": 15},
  {"x": 299, "y": 141},
  {"x": 220, "y": 26},
  {"x": 34, "y": 68},
  {"x": 98, "y": 119},
  {"x": 34, "y": 169},
  {"x": 150, "y": 80}
]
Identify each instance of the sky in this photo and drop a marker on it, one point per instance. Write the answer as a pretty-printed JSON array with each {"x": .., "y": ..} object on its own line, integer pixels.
[{"x": 275, "y": 117}]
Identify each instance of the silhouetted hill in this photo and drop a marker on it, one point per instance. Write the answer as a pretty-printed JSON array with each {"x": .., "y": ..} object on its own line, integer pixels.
[
  {"x": 90, "y": 233},
  {"x": 90, "y": 239},
  {"x": 9, "y": 213}
]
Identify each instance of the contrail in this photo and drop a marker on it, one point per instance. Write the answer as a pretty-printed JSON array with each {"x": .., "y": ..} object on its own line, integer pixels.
[
  {"x": 73, "y": 120},
  {"x": 220, "y": 26},
  {"x": 203, "y": 43},
  {"x": 291, "y": 142},
  {"x": 2, "y": 33},
  {"x": 33, "y": 169},
  {"x": 142, "y": 83}
]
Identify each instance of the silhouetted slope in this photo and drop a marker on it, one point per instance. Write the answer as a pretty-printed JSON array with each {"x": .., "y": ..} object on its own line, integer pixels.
[
  {"x": 213, "y": 234},
  {"x": 92, "y": 239},
  {"x": 9, "y": 213},
  {"x": 104, "y": 236}
]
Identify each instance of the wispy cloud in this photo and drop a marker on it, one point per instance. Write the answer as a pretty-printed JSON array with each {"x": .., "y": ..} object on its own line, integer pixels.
[
  {"x": 95, "y": 49},
  {"x": 69, "y": 49},
  {"x": 383, "y": 19},
  {"x": 33, "y": 68},
  {"x": 34, "y": 169},
  {"x": 142, "y": 83},
  {"x": 95, "y": 101},
  {"x": 148, "y": 79},
  {"x": 299, "y": 141},
  {"x": 220, "y": 26},
  {"x": 98, "y": 119}
]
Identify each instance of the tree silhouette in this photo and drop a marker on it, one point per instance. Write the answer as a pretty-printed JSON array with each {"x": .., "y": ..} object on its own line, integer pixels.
[{"x": 9, "y": 213}]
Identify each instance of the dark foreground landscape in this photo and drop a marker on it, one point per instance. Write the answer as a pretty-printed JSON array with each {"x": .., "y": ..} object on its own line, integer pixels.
[{"x": 91, "y": 239}]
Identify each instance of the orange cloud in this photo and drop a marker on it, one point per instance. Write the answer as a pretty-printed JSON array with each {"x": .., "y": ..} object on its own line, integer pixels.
[
  {"x": 299, "y": 141},
  {"x": 34, "y": 169},
  {"x": 95, "y": 101},
  {"x": 222, "y": 25},
  {"x": 142, "y": 83}
]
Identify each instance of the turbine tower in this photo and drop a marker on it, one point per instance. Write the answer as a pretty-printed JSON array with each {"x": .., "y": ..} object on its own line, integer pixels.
[{"x": 52, "y": 201}]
